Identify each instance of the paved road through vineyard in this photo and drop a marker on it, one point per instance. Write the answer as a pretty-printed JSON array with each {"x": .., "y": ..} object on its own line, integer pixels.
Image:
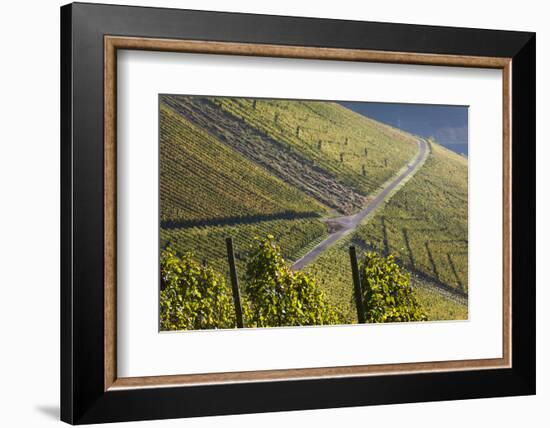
[{"x": 342, "y": 226}]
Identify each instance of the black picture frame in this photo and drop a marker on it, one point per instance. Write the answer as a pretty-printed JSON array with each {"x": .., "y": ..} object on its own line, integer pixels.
[{"x": 83, "y": 398}]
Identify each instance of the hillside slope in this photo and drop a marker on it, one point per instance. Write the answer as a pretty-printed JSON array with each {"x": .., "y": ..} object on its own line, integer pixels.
[
  {"x": 425, "y": 225},
  {"x": 359, "y": 152},
  {"x": 323, "y": 149},
  {"x": 203, "y": 181}
]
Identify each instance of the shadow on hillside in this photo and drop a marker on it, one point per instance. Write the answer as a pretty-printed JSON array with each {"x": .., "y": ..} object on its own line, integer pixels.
[
  {"x": 225, "y": 221},
  {"x": 436, "y": 282}
]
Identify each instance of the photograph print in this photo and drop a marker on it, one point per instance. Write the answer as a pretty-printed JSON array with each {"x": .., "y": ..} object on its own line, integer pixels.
[{"x": 289, "y": 212}]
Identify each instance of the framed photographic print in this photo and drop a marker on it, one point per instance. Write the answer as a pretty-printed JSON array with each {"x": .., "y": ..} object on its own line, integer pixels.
[{"x": 265, "y": 213}]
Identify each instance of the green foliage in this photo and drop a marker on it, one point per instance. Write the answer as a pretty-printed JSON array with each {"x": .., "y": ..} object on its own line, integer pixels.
[
  {"x": 192, "y": 296},
  {"x": 277, "y": 296},
  {"x": 332, "y": 270},
  {"x": 387, "y": 293}
]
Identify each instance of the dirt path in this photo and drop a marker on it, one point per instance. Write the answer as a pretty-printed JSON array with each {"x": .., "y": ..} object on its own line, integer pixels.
[{"x": 341, "y": 226}]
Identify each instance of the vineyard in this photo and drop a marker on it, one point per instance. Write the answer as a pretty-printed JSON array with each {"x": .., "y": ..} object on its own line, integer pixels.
[
  {"x": 208, "y": 243},
  {"x": 202, "y": 180},
  {"x": 249, "y": 168},
  {"x": 339, "y": 172},
  {"x": 332, "y": 271},
  {"x": 195, "y": 296}
]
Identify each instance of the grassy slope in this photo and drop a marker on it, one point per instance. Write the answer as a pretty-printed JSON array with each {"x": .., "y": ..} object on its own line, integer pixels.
[
  {"x": 432, "y": 207},
  {"x": 202, "y": 179},
  {"x": 335, "y": 138}
]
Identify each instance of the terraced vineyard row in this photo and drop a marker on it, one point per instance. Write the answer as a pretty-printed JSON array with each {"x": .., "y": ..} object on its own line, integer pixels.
[
  {"x": 426, "y": 226},
  {"x": 208, "y": 243},
  {"x": 203, "y": 180},
  {"x": 333, "y": 270},
  {"x": 361, "y": 153}
]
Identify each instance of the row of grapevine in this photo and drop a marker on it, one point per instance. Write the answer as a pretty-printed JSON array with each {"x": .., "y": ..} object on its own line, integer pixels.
[
  {"x": 201, "y": 178},
  {"x": 426, "y": 226},
  {"x": 207, "y": 243},
  {"x": 338, "y": 140},
  {"x": 195, "y": 296}
]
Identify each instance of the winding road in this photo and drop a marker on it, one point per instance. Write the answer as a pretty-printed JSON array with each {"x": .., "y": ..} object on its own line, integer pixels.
[{"x": 341, "y": 226}]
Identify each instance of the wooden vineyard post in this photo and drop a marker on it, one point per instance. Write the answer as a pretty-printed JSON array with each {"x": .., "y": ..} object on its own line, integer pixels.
[
  {"x": 234, "y": 282},
  {"x": 357, "y": 286}
]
